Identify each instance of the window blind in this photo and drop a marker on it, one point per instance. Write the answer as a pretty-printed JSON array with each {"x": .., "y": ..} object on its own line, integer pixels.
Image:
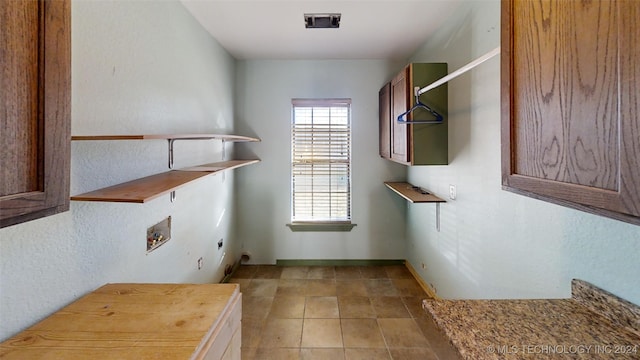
[{"x": 321, "y": 160}]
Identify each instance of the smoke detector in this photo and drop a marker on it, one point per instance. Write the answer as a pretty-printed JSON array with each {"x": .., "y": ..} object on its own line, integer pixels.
[{"x": 322, "y": 21}]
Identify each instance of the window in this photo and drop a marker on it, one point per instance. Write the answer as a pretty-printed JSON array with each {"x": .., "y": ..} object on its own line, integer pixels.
[{"x": 321, "y": 162}]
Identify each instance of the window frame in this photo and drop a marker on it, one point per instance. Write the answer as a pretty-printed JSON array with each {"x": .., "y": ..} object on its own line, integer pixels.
[{"x": 331, "y": 224}]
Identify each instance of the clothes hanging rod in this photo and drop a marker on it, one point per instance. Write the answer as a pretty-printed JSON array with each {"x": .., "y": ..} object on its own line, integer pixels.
[{"x": 460, "y": 71}]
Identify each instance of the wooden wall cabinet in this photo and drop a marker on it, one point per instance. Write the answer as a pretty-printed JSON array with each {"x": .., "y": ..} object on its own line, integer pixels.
[
  {"x": 570, "y": 103},
  {"x": 414, "y": 144},
  {"x": 35, "y": 108}
]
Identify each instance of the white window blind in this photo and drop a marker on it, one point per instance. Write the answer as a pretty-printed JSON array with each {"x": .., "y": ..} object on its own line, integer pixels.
[{"x": 321, "y": 160}]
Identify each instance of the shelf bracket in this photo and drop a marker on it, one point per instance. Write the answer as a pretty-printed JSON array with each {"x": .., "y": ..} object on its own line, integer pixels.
[
  {"x": 171, "y": 158},
  {"x": 224, "y": 149},
  {"x": 172, "y": 196},
  {"x": 438, "y": 217}
]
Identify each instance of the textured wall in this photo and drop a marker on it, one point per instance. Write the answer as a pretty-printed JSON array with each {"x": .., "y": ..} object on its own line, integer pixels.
[
  {"x": 265, "y": 90},
  {"x": 493, "y": 243},
  {"x": 137, "y": 67}
]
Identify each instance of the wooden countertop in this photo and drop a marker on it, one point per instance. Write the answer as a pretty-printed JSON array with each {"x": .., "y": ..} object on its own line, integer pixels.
[
  {"x": 128, "y": 321},
  {"x": 592, "y": 324}
]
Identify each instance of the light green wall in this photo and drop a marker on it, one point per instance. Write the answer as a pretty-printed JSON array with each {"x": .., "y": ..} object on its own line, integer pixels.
[
  {"x": 493, "y": 243},
  {"x": 137, "y": 67},
  {"x": 263, "y": 108}
]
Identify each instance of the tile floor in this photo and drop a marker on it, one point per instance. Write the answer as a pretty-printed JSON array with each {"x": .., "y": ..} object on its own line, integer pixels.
[{"x": 342, "y": 312}]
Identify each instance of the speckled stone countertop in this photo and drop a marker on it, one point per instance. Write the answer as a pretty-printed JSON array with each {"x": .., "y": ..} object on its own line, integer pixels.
[{"x": 592, "y": 324}]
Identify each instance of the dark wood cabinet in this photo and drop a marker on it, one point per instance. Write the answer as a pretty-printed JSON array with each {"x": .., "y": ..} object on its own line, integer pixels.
[
  {"x": 414, "y": 144},
  {"x": 570, "y": 104},
  {"x": 384, "y": 106},
  {"x": 35, "y": 108}
]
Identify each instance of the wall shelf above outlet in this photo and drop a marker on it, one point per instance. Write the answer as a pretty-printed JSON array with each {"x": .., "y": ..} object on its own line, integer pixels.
[
  {"x": 150, "y": 187},
  {"x": 414, "y": 194}
]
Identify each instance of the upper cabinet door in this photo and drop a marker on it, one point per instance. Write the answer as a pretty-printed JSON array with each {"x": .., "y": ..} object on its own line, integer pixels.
[
  {"x": 570, "y": 103},
  {"x": 35, "y": 108},
  {"x": 400, "y": 133},
  {"x": 384, "y": 119}
]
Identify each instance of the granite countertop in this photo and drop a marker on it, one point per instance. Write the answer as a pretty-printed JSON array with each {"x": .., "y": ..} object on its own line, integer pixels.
[{"x": 592, "y": 324}]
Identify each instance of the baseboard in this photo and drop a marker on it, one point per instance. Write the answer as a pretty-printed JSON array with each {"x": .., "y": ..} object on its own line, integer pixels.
[
  {"x": 420, "y": 281},
  {"x": 319, "y": 262},
  {"x": 235, "y": 267}
]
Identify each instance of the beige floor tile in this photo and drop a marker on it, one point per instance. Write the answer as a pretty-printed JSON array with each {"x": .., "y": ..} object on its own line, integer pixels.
[
  {"x": 294, "y": 272},
  {"x": 351, "y": 287},
  {"x": 398, "y": 272},
  {"x": 320, "y": 287},
  {"x": 244, "y": 283},
  {"x": 279, "y": 333},
  {"x": 361, "y": 333},
  {"x": 277, "y": 354},
  {"x": 321, "y": 307},
  {"x": 402, "y": 333},
  {"x": 438, "y": 341},
  {"x": 247, "y": 353},
  {"x": 366, "y": 354},
  {"x": 389, "y": 307},
  {"x": 355, "y": 307},
  {"x": 414, "y": 305},
  {"x": 256, "y": 307},
  {"x": 335, "y": 313},
  {"x": 373, "y": 272},
  {"x": 321, "y": 272},
  {"x": 251, "y": 332},
  {"x": 292, "y": 287},
  {"x": 348, "y": 272},
  {"x": 412, "y": 354},
  {"x": 408, "y": 287},
  {"x": 381, "y": 287},
  {"x": 245, "y": 272},
  {"x": 262, "y": 287},
  {"x": 268, "y": 272},
  {"x": 321, "y": 333},
  {"x": 288, "y": 307},
  {"x": 322, "y": 354}
]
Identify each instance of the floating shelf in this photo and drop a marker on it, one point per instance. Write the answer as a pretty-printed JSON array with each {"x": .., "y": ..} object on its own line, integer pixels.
[
  {"x": 412, "y": 193},
  {"x": 171, "y": 138},
  {"x": 150, "y": 187},
  {"x": 219, "y": 166},
  {"x": 234, "y": 138}
]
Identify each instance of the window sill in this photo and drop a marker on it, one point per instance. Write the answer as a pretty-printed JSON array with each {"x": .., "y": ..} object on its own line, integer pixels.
[{"x": 321, "y": 226}]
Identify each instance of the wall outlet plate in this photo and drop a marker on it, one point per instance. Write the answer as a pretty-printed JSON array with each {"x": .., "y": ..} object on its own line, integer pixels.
[{"x": 452, "y": 192}]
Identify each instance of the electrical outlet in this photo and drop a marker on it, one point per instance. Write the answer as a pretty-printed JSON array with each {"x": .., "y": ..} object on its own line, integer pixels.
[
  {"x": 220, "y": 244},
  {"x": 200, "y": 263},
  {"x": 452, "y": 192}
]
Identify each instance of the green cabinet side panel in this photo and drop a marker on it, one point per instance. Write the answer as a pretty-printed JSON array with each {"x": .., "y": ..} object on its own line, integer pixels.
[{"x": 430, "y": 141}]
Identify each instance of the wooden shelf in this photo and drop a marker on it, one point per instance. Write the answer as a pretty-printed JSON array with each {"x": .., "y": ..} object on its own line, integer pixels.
[
  {"x": 150, "y": 187},
  {"x": 234, "y": 138},
  {"x": 219, "y": 166},
  {"x": 412, "y": 193}
]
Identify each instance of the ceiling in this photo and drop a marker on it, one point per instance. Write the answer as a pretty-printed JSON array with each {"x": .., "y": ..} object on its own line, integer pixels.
[{"x": 369, "y": 29}]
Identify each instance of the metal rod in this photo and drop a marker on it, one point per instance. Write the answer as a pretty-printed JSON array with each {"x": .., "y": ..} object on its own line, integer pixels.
[{"x": 460, "y": 71}]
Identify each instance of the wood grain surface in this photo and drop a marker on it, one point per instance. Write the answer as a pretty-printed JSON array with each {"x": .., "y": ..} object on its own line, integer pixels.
[
  {"x": 129, "y": 321},
  {"x": 570, "y": 83}
]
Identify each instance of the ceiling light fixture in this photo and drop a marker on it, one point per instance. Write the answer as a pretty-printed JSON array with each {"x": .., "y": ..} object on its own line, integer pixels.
[{"x": 322, "y": 21}]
